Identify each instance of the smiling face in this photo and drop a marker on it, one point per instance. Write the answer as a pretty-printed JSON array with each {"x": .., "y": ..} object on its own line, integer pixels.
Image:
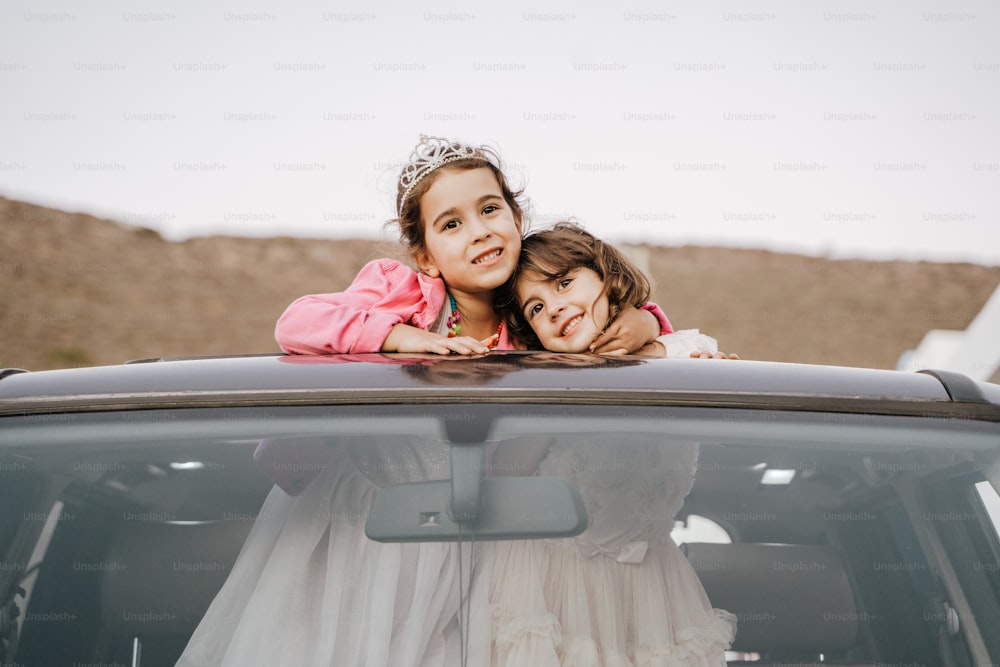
[
  {"x": 472, "y": 237},
  {"x": 566, "y": 313}
]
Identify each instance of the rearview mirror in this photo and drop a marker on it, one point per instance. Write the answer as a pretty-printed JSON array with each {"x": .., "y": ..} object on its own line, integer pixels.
[
  {"x": 509, "y": 508},
  {"x": 470, "y": 506}
]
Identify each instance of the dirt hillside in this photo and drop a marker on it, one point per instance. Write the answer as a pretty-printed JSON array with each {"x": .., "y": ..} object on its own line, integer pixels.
[{"x": 78, "y": 290}]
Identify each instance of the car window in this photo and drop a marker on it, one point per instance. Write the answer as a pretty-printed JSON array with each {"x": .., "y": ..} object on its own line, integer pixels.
[
  {"x": 121, "y": 527},
  {"x": 957, "y": 507}
]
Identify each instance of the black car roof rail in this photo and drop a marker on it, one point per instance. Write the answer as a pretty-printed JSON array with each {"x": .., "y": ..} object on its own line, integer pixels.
[
  {"x": 961, "y": 388},
  {"x": 156, "y": 360}
]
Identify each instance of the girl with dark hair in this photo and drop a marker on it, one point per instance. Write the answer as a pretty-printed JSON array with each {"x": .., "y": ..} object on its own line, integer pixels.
[
  {"x": 569, "y": 285},
  {"x": 621, "y": 594}
]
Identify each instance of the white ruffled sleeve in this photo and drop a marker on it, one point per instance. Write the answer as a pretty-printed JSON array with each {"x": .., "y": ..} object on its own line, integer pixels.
[{"x": 683, "y": 343}]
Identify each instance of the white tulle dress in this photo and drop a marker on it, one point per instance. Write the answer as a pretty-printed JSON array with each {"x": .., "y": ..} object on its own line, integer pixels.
[
  {"x": 621, "y": 594},
  {"x": 309, "y": 588}
]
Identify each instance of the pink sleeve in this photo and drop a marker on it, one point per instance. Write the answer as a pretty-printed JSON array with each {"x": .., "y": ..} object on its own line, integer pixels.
[
  {"x": 665, "y": 327},
  {"x": 383, "y": 294}
]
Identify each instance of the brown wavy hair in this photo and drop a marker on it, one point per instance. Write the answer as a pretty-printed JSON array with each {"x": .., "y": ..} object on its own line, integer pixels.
[
  {"x": 411, "y": 226},
  {"x": 556, "y": 251}
]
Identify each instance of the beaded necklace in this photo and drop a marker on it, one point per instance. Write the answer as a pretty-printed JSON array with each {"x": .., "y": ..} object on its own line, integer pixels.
[{"x": 455, "y": 325}]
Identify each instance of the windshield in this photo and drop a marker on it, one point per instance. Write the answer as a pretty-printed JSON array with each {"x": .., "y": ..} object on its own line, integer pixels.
[{"x": 171, "y": 529}]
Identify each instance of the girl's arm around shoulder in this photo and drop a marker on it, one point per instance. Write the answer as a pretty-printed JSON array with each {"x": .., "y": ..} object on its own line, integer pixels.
[
  {"x": 632, "y": 330},
  {"x": 384, "y": 293}
]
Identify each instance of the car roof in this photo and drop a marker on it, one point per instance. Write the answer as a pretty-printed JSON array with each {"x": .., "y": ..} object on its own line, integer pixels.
[{"x": 408, "y": 378}]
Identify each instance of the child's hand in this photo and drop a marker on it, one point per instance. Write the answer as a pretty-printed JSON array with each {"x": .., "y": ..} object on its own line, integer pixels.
[
  {"x": 404, "y": 338},
  {"x": 631, "y": 330},
  {"x": 713, "y": 355}
]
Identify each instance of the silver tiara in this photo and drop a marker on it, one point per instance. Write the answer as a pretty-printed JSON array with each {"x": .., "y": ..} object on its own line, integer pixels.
[{"x": 430, "y": 154}]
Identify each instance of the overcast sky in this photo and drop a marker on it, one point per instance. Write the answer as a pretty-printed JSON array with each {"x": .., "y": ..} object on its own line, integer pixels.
[{"x": 836, "y": 128}]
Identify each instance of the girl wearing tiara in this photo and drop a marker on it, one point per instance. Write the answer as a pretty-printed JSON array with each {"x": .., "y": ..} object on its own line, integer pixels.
[{"x": 620, "y": 594}]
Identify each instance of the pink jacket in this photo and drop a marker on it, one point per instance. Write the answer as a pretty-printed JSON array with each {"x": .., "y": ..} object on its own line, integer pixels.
[{"x": 385, "y": 293}]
